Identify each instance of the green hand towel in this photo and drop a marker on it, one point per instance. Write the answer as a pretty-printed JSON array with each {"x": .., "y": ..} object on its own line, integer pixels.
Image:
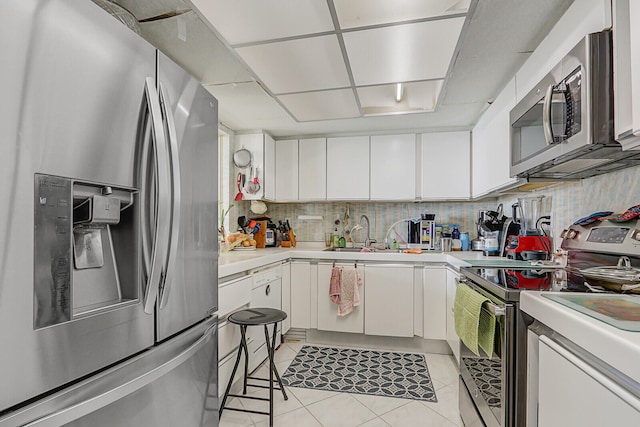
[
  {"x": 486, "y": 331},
  {"x": 474, "y": 325}
]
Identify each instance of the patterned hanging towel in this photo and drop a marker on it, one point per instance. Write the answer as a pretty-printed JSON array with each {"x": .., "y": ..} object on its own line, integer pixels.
[
  {"x": 349, "y": 291},
  {"x": 334, "y": 285}
]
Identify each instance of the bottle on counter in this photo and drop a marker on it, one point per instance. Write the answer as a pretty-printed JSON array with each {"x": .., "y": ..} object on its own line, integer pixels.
[
  {"x": 456, "y": 244},
  {"x": 464, "y": 239},
  {"x": 342, "y": 242},
  {"x": 336, "y": 238},
  {"x": 455, "y": 234}
]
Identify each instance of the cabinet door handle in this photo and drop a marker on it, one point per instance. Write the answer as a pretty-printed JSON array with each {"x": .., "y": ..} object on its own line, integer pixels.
[{"x": 268, "y": 290}]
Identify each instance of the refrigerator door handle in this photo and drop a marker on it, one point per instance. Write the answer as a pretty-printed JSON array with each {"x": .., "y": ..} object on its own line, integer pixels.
[
  {"x": 93, "y": 403},
  {"x": 175, "y": 196},
  {"x": 152, "y": 261}
]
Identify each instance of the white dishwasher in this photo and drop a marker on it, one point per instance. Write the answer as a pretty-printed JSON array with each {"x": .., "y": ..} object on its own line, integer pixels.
[{"x": 267, "y": 292}]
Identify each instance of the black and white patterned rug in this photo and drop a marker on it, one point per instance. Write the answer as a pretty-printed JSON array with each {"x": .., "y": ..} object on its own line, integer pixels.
[{"x": 379, "y": 373}]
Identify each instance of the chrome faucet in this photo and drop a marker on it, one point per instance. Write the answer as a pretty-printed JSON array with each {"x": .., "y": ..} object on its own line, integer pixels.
[{"x": 368, "y": 241}]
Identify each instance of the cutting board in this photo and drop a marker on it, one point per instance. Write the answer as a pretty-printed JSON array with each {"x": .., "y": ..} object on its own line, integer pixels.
[{"x": 620, "y": 311}]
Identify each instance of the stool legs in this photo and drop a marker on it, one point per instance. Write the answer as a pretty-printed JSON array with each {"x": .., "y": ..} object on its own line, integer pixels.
[
  {"x": 272, "y": 369},
  {"x": 243, "y": 343},
  {"x": 272, "y": 361},
  {"x": 271, "y": 345}
]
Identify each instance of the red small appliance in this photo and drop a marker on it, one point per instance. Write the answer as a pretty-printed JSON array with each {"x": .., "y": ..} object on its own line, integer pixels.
[{"x": 528, "y": 248}]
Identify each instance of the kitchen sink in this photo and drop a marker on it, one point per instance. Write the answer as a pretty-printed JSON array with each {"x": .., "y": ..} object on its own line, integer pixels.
[
  {"x": 342, "y": 249},
  {"x": 369, "y": 250}
]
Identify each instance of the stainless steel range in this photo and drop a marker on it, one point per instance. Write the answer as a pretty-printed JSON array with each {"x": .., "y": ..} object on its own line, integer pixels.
[{"x": 493, "y": 387}]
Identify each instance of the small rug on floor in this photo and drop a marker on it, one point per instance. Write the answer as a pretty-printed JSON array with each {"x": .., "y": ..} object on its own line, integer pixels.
[{"x": 379, "y": 373}]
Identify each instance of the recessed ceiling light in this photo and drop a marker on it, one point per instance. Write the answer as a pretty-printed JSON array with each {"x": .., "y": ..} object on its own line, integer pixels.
[
  {"x": 415, "y": 97},
  {"x": 399, "y": 91}
]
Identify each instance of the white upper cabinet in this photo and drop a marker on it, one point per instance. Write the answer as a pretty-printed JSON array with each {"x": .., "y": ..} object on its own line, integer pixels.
[
  {"x": 348, "y": 168},
  {"x": 393, "y": 167},
  {"x": 312, "y": 169},
  {"x": 446, "y": 165},
  {"x": 258, "y": 144},
  {"x": 626, "y": 72},
  {"x": 269, "y": 168},
  {"x": 490, "y": 149},
  {"x": 287, "y": 170}
]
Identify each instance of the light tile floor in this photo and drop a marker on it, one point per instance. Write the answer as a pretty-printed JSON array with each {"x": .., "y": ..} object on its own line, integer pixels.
[{"x": 317, "y": 408}]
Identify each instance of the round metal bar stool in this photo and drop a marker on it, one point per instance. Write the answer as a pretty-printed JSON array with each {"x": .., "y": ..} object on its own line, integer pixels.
[{"x": 256, "y": 317}]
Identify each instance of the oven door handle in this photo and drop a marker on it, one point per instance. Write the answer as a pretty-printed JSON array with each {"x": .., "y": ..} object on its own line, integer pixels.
[{"x": 496, "y": 310}]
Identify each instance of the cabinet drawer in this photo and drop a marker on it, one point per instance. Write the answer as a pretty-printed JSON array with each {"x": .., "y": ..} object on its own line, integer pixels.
[
  {"x": 233, "y": 295},
  {"x": 228, "y": 338}
]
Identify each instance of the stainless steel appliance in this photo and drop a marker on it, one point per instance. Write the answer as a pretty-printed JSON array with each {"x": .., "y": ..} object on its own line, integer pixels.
[
  {"x": 563, "y": 128},
  {"x": 108, "y": 255},
  {"x": 422, "y": 232},
  {"x": 493, "y": 388}
]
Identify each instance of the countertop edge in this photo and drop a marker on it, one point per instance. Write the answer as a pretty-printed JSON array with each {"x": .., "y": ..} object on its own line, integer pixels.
[{"x": 231, "y": 263}]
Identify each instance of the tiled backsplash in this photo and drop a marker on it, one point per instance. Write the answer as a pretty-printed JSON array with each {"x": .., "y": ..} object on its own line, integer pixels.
[
  {"x": 381, "y": 215},
  {"x": 616, "y": 191}
]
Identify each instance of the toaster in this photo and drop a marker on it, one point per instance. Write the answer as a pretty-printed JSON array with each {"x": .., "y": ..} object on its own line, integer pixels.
[{"x": 270, "y": 238}]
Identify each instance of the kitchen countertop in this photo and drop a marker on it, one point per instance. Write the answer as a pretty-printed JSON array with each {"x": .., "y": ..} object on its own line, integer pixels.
[
  {"x": 233, "y": 262},
  {"x": 617, "y": 347}
]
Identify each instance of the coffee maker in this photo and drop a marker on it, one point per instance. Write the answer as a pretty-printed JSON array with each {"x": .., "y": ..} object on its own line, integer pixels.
[
  {"x": 422, "y": 231},
  {"x": 490, "y": 225},
  {"x": 530, "y": 243}
]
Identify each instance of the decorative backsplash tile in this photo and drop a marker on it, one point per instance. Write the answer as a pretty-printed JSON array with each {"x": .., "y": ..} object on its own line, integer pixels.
[
  {"x": 572, "y": 200},
  {"x": 565, "y": 202},
  {"x": 381, "y": 216}
]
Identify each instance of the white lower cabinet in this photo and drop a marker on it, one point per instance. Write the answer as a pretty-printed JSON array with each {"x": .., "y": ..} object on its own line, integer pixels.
[
  {"x": 228, "y": 343},
  {"x": 328, "y": 319},
  {"x": 388, "y": 305},
  {"x": 452, "y": 338},
  {"x": 435, "y": 303},
  {"x": 286, "y": 296},
  {"x": 232, "y": 295},
  {"x": 301, "y": 294},
  {"x": 573, "y": 393}
]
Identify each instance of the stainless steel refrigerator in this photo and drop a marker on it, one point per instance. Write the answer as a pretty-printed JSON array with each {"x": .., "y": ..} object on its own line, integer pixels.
[{"x": 108, "y": 242}]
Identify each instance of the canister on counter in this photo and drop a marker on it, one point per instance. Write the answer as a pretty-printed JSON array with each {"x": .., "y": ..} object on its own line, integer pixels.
[{"x": 464, "y": 239}]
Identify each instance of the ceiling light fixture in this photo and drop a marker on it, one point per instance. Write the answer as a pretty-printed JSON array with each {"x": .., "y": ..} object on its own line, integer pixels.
[{"x": 399, "y": 92}]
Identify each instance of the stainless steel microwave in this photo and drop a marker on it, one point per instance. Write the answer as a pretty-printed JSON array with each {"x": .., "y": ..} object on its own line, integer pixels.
[{"x": 563, "y": 128}]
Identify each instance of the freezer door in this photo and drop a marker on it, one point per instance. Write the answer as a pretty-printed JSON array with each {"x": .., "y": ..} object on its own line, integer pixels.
[
  {"x": 173, "y": 384},
  {"x": 73, "y": 83},
  {"x": 190, "y": 291}
]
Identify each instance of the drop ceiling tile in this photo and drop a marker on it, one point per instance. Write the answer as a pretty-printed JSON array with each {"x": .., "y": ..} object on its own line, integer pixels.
[
  {"x": 245, "y": 21},
  {"x": 409, "y": 52},
  {"x": 298, "y": 65},
  {"x": 417, "y": 97},
  {"x": 324, "y": 105},
  {"x": 362, "y": 13},
  {"x": 241, "y": 105}
]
